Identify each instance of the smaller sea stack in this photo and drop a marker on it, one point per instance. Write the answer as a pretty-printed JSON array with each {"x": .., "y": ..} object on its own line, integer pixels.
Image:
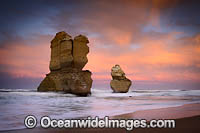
[{"x": 119, "y": 82}]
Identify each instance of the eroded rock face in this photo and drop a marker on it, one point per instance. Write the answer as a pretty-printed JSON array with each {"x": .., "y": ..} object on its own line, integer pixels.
[
  {"x": 61, "y": 51},
  {"x": 80, "y": 50},
  {"x": 68, "y": 57},
  {"x": 119, "y": 82}
]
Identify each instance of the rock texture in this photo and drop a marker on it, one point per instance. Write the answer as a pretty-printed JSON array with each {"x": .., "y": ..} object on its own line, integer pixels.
[
  {"x": 80, "y": 50},
  {"x": 119, "y": 82},
  {"x": 68, "y": 57},
  {"x": 61, "y": 51}
]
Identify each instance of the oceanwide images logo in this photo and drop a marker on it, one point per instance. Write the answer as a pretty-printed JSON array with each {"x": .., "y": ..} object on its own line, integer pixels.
[{"x": 89, "y": 122}]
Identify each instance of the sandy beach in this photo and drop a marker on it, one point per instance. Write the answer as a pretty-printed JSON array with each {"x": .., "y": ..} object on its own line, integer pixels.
[
  {"x": 187, "y": 119},
  {"x": 187, "y": 110}
]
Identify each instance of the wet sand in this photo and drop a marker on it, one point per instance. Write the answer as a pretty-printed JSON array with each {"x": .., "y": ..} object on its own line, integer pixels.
[
  {"x": 187, "y": 119},
  {"x": 187, "y": 110}
]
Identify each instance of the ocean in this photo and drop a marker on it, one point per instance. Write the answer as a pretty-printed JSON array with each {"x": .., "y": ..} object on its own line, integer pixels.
[{"x": 16, "y": 104}]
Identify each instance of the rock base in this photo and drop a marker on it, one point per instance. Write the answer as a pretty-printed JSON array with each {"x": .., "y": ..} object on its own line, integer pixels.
[
  {"x": 120, "y": 86},
  {"x": 78, "y": 83}
]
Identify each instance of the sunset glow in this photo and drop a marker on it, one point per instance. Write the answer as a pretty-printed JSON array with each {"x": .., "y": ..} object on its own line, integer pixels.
[{"x": 153, "y": 41}]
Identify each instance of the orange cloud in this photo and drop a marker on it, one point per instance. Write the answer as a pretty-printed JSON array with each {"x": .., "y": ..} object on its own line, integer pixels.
[
  {"x": 21, "y": 60},
  {"x": 118, "y": 36},
  {"x": 150, "y": 62}
]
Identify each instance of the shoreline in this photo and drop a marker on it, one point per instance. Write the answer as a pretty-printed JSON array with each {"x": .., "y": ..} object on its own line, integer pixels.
[
  {"x": 187, "y": 115},
  {"x": 182, "y": 111}
]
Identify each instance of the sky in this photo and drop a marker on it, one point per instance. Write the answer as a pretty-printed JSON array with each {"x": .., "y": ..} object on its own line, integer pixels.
[{"x": 156, "y": 42}]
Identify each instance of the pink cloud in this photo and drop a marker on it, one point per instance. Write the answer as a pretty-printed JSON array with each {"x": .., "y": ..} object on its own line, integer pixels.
[{"x": 22, "y": 60}]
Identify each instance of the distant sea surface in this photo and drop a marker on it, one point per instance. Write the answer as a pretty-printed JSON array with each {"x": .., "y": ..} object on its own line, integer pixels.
[{"x": 16, "y": 104}]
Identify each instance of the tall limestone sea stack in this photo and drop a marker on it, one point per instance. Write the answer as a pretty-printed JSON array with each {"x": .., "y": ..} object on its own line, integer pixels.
[
  {"x": 68, "y": 57},
  {"x": 119, "y": 82}
]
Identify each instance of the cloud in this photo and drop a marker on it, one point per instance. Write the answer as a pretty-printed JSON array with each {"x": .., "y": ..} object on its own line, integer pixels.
[
  {"x": 137, "y": 34},
  {"x": 157, "y": 59},
  {"x": 25, "y": 60}
]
